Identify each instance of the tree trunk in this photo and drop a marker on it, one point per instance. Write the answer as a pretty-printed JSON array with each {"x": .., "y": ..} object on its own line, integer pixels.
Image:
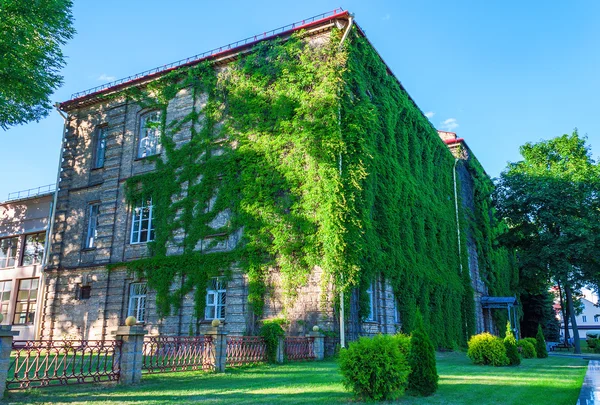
[
  {"x": 565, "y": 313},
  {"x": 573, "y": 320}
]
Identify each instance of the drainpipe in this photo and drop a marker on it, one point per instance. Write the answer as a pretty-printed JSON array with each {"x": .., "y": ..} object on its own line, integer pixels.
[
  {"x": 342, "y": 312},
  {"x": 42, "y": 288},
  {"x": 457, "y": 218}
]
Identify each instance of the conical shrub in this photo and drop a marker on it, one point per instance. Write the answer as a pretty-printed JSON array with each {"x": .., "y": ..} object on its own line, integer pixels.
[
  {"x": 540, "y": 347},
  {"x": 423, "y": 377},
  {"x": 510, "y": 343}
]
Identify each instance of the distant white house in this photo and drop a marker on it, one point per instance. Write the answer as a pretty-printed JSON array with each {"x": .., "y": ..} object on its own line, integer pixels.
[{"x": 589, "y": 319}]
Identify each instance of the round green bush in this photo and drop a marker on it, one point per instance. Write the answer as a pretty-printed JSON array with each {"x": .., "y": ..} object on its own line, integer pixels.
[
  {"x": 423, "y": 377},
  {"x": 527, "y": 349},
  {"x": 510, "y": 344},
  {"x": 540, "y": 347},
  {"x": 374, "y": 368},
  {"x": 487, "y": 349}
]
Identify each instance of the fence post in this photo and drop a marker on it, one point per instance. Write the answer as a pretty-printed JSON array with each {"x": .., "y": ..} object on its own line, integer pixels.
[
  {"x": 6, "y": 340},
  {"x": 132, "y": 356},
  {"x": 218, "y": 347},
  {"x": 319, "y": 345},
  {"x": 280, "y": 350}
]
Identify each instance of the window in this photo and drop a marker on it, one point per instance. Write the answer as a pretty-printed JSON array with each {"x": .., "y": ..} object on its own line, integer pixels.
[
  {"x": 142, "y": 226},
  {"x": 34, "y": 248},
  {"x": 371, "y": 316},
  {"x": 137, "y": 301},
  {"x": 85, "y": 292},
  {"x": 149, "y": 134},
  {"x": 92, "y": 226},
  {"x": 26, "y": 301},
  {"x": 8, "y": 252},
  {"x": 596, "y": 317},
  {"x": 5, "y": 289},
  {"x": 100, "y": 146},
  {"x": 215, "y": 300},
  {"x": 584, "y": 318}
]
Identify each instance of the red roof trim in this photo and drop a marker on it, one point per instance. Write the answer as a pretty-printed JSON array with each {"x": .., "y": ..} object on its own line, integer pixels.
[{"x": 334, "y": 15}]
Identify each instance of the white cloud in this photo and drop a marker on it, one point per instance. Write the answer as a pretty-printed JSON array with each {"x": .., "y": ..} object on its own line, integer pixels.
[
  {"x": 386, "y": 17},
  {"x": 429, "y": 114},
  {"x": 106, "y": 78},
  {"x": 449, "y": 125}
]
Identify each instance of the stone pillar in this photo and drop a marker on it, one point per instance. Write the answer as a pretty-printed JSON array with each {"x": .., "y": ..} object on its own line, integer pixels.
[
  {"x": 219, "y": 347},
  {"x": 319, "y": 345},
  {"x": 132, "y": 355},
  {"x": 280, "y": 357},
  {"x": 6, "y": 339}
]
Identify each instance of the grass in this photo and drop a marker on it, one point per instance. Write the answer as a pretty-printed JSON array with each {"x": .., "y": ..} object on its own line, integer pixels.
[{"x": 556, "y": 380}]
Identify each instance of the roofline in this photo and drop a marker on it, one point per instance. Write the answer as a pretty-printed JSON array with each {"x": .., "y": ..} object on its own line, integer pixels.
[
  {"x": 34, "y": 197},
  {"x": 220, "y": 53}
]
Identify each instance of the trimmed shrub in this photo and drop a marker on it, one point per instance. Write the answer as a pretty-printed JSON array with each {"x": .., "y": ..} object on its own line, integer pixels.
[
  {"x": 510, "y": 344},
  {"x": 271, "y": 331},
  {"x": 527, "y": 349},
  {"x": 374, "y": 368},
  {"x": 531, "y": 340},
  {"x": 487, "y": 349},
  {"x": 403, "y": 342},
  {"x": 423, "y": 377},
  {"x": 592, "y": 341},
  {"x": 540, "y": 347}
]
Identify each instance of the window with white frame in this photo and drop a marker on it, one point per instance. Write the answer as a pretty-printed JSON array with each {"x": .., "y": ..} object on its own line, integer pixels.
[
  {"x": 8, "y": 252},
  {"x": 142, "y": 225},
  {"x": 584, "y": 318},
  {"x": 5, "y": 289},
  {"x": 137, "y": 301},
  {"x": 92, "y": 225},
  {"x": 26, "y": 301},
  {"x": 149, "y": 143},
  {"x": 215, "y": 299},
  {"x": 100, "y": 146},
  {"x": 370, "y": 293},
  {"x": 33, "y": 252},
  {"x": 596, "y": 317}
]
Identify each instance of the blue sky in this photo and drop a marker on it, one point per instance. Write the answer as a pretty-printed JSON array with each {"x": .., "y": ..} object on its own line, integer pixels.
[{"x": 498, "y": 73}]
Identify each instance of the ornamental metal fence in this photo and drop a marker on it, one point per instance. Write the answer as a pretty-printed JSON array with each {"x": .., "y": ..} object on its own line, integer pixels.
[
  {"x": 243, "y": 350},
  {"x": 39, "y": 363},
  {"x": 300, "y": 348},
  {"x": 165, "y": 354}
]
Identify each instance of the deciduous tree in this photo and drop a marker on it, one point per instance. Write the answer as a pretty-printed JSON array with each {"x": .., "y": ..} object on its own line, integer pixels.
[{"x": 31, "y": 35}]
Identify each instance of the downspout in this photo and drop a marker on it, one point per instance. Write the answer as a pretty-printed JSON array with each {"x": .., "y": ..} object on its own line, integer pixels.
[
  {"x": 342, "y": 313},
  {"x": 47, "y": 241},
  {"x": 457, "y": 217}
]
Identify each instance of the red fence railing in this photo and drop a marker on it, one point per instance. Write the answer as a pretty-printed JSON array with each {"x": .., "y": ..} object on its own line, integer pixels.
[
  {"x": 245, "y": 350},
  {"x": 300, "y": 348},
  {"x": 164, "y": 354},
  {"x": 41, "y": 363}
]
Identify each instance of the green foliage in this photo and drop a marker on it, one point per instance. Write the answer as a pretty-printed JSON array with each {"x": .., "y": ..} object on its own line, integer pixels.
[
  {"x": 510, "y": 344},
  {"x": 527, "y": 349},
  {"x": 423, "y": 377},
  {"x": 31, "y": 35},
  {"x": 374, "y": 368},
  {"x": 403, "y": 341},
  {"x": 322, "y": 159},
  {"x": 271, "y": 331},
  {"x": 540, "y": 346},
  {"x": 487, "y": 349}
]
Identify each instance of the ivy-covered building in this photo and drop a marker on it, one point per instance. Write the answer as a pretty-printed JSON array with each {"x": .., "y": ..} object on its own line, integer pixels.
[{"x": 262, "y": 180}]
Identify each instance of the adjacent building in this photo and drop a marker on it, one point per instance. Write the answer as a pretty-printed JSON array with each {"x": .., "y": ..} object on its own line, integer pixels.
[{"x": 24, "y": 220}]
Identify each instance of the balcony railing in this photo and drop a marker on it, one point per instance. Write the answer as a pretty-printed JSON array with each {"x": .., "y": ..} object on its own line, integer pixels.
[{"x": 32, "y": 192}]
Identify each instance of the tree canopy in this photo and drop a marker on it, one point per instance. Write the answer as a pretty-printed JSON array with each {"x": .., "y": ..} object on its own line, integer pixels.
[
  {"x": 31, "y": 35},
  {"x": 551, "y": 203}
]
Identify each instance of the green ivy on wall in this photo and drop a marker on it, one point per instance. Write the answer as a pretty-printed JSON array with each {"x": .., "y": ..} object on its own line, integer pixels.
[{"x": 320, "y": 158}]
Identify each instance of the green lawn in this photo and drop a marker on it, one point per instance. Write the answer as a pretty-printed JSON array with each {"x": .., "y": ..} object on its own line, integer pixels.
[{"x": 556, "y": 380}]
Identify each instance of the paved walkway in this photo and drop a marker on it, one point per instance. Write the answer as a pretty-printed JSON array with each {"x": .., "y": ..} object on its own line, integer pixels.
[{"x": 590, "y": 391}]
